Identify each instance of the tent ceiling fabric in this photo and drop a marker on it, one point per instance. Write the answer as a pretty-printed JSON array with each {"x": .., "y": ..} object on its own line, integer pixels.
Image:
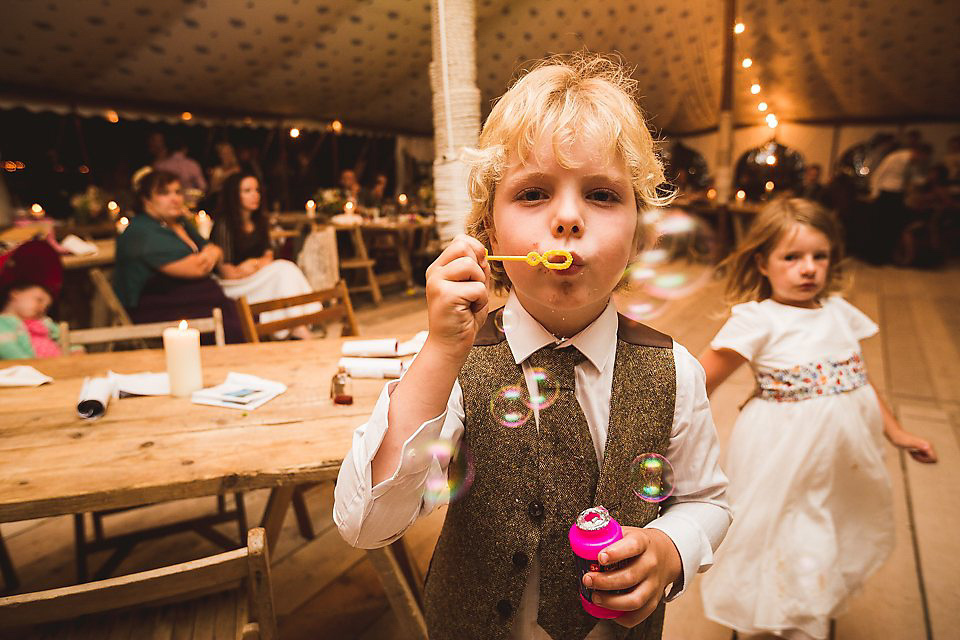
[{"x": 366, "y": 62}]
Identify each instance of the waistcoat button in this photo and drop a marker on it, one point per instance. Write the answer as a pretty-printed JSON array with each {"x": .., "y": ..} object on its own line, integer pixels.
[
  {"x": 535, "y": 509},
  {"x": 520, "y": 559},
  {"x": 504, "y": 608}
]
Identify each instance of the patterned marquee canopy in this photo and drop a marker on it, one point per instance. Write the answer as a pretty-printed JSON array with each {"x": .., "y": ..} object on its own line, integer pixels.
[{"x": 365, "y": 62}]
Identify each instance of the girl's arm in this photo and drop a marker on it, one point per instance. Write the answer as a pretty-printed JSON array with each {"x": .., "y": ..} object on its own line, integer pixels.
[
  {"x": 921, "y": 450},
  {"x": 719, "y": 364},
  {"x": 229, "y": 271}
]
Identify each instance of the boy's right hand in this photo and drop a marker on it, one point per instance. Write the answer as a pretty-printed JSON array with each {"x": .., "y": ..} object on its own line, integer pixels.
[{"x": 457, "y": 295}]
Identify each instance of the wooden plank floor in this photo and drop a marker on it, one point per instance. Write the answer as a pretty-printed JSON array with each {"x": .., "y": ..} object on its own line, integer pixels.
[{"x": 325, "y": 589}]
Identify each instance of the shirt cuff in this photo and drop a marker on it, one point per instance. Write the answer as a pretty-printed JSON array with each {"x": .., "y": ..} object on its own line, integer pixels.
[
  {"x": 692, "y": 545},
  {"x": 415, "y": 460}
]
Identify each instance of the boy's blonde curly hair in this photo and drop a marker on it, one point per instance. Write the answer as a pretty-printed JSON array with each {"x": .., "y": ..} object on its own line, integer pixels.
[{"x": 570, "y": 97}]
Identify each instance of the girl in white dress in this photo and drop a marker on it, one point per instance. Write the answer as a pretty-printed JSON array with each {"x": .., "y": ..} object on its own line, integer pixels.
[{"x": 810, "y": 494}]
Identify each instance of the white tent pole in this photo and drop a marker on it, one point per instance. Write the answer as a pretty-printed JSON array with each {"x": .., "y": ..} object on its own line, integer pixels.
[
  {"x": 724, "y": 172},
  {"x": 442, "y": 28},
  {"x": 456, "y": 109}
]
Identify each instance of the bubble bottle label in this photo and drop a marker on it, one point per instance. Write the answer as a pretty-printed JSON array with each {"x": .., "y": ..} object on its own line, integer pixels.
[{"x": 593, "y": 531}]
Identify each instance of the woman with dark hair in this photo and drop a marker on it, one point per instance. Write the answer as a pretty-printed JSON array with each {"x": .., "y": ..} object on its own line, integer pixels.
[
  {"x": 248, "y": 268},
  {"x": 164, "y": 265}
]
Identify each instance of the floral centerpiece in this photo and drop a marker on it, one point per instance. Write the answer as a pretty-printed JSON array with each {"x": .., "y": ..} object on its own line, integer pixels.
[
  {"x": 330, "y": 202},
  {"x": 88, "y": 205}
]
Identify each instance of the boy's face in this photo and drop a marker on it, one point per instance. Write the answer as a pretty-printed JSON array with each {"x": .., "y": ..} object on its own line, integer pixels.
[
  {"x": 29, "y": 303},
  {"x": 588, "y": 209}
]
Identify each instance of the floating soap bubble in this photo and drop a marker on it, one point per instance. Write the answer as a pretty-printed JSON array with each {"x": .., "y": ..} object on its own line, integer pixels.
[
  {"x": 651, "y": 477},
  {"x": 511, "y": 407},
  {"x": 545, "y": 389},
  {"x": 505, "y": 320},
  {"x": 677, "y": 259},
  {"x": 460, "y": 474}
]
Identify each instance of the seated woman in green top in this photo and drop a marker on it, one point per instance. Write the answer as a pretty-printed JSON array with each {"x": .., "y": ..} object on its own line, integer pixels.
[{"x": 163, "y": 264}]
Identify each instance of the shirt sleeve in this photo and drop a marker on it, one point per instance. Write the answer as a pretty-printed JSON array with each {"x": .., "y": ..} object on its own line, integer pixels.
[
  {"x": 696, "y": 517},
  {"x": 860, "y": 324},
  {"x": 369, "y": 516},
  {"x": 746, "y": 331}
]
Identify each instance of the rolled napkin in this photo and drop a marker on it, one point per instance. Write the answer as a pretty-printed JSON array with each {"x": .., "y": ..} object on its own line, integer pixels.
[
  {"x": 413, "y": 345},
  {"x": 373, "y": 367},
  {"x": 78, "y": 246},
  {"x": 369, "y": 348},
  {"x": 22, "y": 375},
  {"x": 95, "y": 396}
]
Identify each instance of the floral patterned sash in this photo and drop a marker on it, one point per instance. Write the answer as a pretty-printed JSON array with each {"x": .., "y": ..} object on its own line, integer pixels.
[{"x": 812, "y": 380}]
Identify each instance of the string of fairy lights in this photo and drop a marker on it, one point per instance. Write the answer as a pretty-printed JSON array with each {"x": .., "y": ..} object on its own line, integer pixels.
[{"x": 763, "y": 106}]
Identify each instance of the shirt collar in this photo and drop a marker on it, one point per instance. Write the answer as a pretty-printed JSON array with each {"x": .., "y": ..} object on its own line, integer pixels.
[{"x": 525, "y": 335}]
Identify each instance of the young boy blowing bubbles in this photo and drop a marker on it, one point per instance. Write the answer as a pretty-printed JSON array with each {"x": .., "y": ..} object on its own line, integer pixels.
[{"x": 565, "y": 161}]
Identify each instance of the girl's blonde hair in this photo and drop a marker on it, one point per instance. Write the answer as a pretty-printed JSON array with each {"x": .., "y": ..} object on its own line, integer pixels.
[
  {"x": 745, "y": 282},
  {"x": 571, "y": 97}
]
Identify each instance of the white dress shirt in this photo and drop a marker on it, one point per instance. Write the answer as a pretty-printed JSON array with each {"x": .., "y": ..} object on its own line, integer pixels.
[
  {"x": 696, "y": 517},
  {"x": 891, "y": 174}
]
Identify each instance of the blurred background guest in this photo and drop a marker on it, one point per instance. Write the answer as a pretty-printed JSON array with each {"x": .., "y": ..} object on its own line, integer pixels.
[
  {"x": 229, "y": 164},
  {"x": 376, "y": 196},
  {"x": 248, "y": 267},
  {"x": 810, "y": 187},
  {"x": 187, "y": 170},
  {"x": 888, "y": 186},
  {"x": 163, "y": 268}
]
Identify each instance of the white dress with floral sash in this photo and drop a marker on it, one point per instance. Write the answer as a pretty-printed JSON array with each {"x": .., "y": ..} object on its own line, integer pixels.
[{"x": 813, "y": 512}]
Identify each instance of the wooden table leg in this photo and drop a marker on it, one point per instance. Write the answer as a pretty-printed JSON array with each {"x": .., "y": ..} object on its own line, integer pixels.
[
  {"x": 404, "y": 249},
  {"x": 403, "y": 596},
  {"x": 275, "y": 512},
  {"x": 361, "y": 249}
]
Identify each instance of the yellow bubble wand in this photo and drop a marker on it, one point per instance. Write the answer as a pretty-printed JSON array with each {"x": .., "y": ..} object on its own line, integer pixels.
[{"x": 533, "y": 259}]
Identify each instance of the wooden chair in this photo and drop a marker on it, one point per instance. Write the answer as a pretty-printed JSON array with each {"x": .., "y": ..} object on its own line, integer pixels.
[
  {"x": 213, "y": 597},
  {"x": 101, "y": 284},
  {"x": 342, "y": 310},
  {"x": 126, "y": 332},
  {"x": 10, "y": 579}
]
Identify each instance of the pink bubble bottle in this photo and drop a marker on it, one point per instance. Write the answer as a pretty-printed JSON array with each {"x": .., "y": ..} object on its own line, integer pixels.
[{"x": 593, "y": 531}]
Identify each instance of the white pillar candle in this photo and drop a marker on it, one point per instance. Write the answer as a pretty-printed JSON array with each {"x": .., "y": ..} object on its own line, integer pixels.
[
  {"x": 311, "y": 209},
  {"x": 182, "y": 348}
]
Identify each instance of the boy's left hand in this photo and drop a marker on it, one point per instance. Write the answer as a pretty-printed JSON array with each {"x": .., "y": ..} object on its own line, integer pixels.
[{"x": 655, "y": 564}]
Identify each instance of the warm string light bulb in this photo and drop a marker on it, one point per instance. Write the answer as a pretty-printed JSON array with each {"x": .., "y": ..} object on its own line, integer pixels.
[
  {"x": 336, "y": 126},
  {"x": 186, "y": 115},
  {"x": 739, "y": 28},
  {"x": 762, "y": 106},
  {"x": 747, "y": 63},
  {"x": 294, "y": 132},
  {"x": 113, "y": 116},
  {"x": 755, "y": 88}
]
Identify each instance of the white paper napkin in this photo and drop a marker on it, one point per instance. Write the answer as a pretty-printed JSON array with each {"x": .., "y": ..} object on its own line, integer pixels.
[
  {"x": 219, "y": 396},
  {"x": 374, "y": 367},
  {"x": 22, "y": 376},
  {"x": 141, "y": 384},
  {"x": 78, "y": 246},
  {"x": 369, "y": 348}
]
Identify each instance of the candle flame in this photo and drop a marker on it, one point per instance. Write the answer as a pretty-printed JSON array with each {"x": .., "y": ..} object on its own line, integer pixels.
[
  {"x": 311, "y": 204},
  {"x": 183, "y": 325},
  {"x": 402, "y": 198}
]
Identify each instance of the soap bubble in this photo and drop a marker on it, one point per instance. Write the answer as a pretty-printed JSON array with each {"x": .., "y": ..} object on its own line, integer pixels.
[
  {"x": 505, "y": 320},
  {"x": 510, "y": 406},
  {"x": 545, "y": 389},
  {"x": 676, "y": 259},
  {"x": 460, "y": 472},
  {"x": 651, "y": 477}
]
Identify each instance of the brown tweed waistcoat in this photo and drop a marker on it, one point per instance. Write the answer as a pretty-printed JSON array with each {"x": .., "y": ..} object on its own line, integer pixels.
[{"x": 513, "y": 513}]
